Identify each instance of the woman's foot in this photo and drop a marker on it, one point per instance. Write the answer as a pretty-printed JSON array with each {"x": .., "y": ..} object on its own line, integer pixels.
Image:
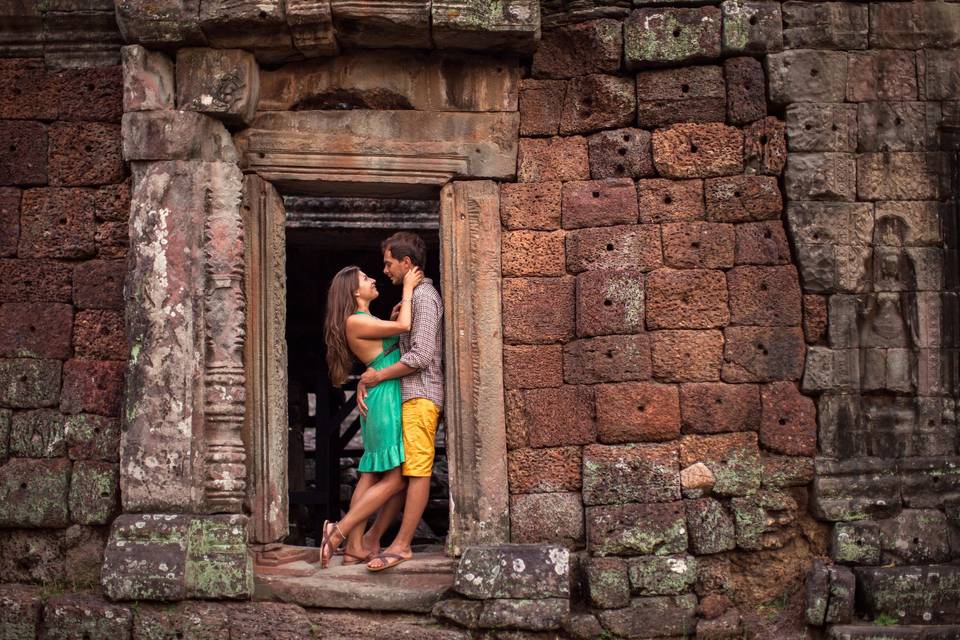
[
  {"x": 368, "y": 548},
  {"x": 332, "y": 539}
]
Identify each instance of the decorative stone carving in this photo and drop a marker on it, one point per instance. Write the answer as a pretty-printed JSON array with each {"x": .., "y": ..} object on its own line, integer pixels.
[
  {"x": 80, "y": 39},
  {"x": 147, "y": 79},
  {"x": 382, "y": 23},
  {"x": 311, "y": 26},
  {"x": 223, "y": 83},
  {"x": 21, "y": 29},
  {"x": 513, "y": 25}
]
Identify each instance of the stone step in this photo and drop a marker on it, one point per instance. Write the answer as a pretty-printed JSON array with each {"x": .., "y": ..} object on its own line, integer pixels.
[
  {"x": 415, "y": 585},
  {"x": 894, "y": 632},
  {"x": 334, "y": 624}
]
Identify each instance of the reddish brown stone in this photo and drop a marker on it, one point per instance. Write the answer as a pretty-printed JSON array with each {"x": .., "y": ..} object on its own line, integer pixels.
[
  {"x": 98, "y": 284},
  {"x": 686, "y": 299},
  {"x": 516, "y": 423},
  {"x": 91, "y": 437},
  {"x": 742, "y": 198},
  {"x": 715, "y": 407},
  {"x": 111, "y": 203},
  {"x": 35, "y": 330},
  {"x": 546, "y": 159},
  {"x": 607, "y": 359},
  {"x": 698, "y": 150},
  {"x": 762, "y": 354},
  {"x": 25, "y": 90},
  {"x": 541, "y": 104},
  {"x": 734, "y": 459},
  {"x": 670, "y": 200},
  {"x": 530, "y": 206},
  {"x": 789, "y": 420},
  {"x": 33, "y": 493},
  {"x": 687, "y": 94},
  {"x": 538, "y": 310},
  {"x": 92, "y": 386},
  {"x": 764, "y": 295},
  {"x": 762, "y": 243},
  {"x": 532, "y": 253},
  {"x": 637, "y": 529},
  {"x": 29, "y": 383},
  {"x": 85, "y": 153},
  {"x": 631, "y": 473},
  {"x": 598, "y": 102},
  {"x": 713, "y": 606},
  {"x": 57, "y": 223},
  {"x": 24, "y": 157},
  {"x": 551, "y": 518},
  {"x": 746, "y": 90},
  {"x": 881, "y": 75},
  {"x": 84, "y": 553},
  {"x": 93, "y": 93},
  {"x": 32, "y": 555},
  {"x": 619, "y": 247},
  {"x": 34, "y": 281},
  {"x": 112, "y": 239},
  {"x": 579, "y": 49},
  {"x": 9, "y": 221},
  {"x": 560, "y": 416},
  {"x": 814, "y": 318},
  {"x": 620, "y": 153},
  {"x": 599, "y": 203},
  {"x": 532, "y": 366},
  {"x": 99, "y": 335},
  {"x": 686, "y": 356},
  {"x": 609, "y": 302},
  {"x": 692, "y": 245},
  {"x": 544, "y": 470},
  {"x": 765, "y": 147},
  {"x": 637, "y": 412}
]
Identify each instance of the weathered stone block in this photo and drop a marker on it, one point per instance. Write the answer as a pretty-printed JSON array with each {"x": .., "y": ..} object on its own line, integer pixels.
[
  {"x": 825, "y": 25},
  {"x": 938, "y": 73},
  {"x": 32, "y": 555},
  {"x": 547, "y": 518},
  {"x": 27, "y": 92},
  {"x": 764, "y": 295},
  {"x": 85, "y": 153},
  {"x": 94, "y": 93},
  {"x": 539, "y": 614},
  {"x": 5, "y": 417},
  {"x": 609, "y": 302},
  {"x": 607, "y": 582},
  {"x": 84, "y": 554},
  {"x": 541, "y": 105},
  {"x": 806, "y": 76},
  {"x": 92, "y": 386},
  {"x": 742, "y": 198},
  {"x": 785, "y": 471},
  {"x": 514, "y": 571},
  {"x": 530, "y": 206},
  {"x": 148, "y": 79},
  {"x": 33, "y": 492},
  {"x": 57, "y": 223},
  {"x": 840, "y": 607},
  {"x": 895, "y": 126},
  {"x": 173, "y": 23},
  {"x": 598, "y": 102},
  {"x": 71, "y": 616},
  {"x": 858, "y": 489},
  {"x": 733, "y": 458},
  {"x": 929, "y": 482},
  {"x": 917, "y": 25},
  {"x": 557, "y": 417},
  {"x": 92, "y": 437},
  {"x": 620, "y": 153},
  {"x": 814, "y": 318},
  {"x": 881, "y": 75},
  {"x": 406, "y": 23},
  {"x": 914, "y": 537},
  {"x": 662, "y": 616},
  {"x": 538, "y": 310},
  {"x": 528, "y": 366},
  {"x": 532, "y": 253},
  {"x": 10, "y": 220},
  {"x": 703, "y": 245},
  {"x": 760, "y": 354},
  {"x": 579, "y": 49},
  {"x": 94, "y": 492},
  {"x": 698, "y": 150},
  {"x": 911, "y": 595},
  {"x": 821, "y": 176},
  {"x": 598, "y": 203},
  {"x": 26, "y": 383},
  {"x": 223, "y": 83},
  {"x": 686, "y": 299},
  {"x": 98, "y": 284},
  {"x": 822, "y": 127},
  {"x": 35, "y": 330},
  {"x": 856, "y": 543},
  {"x": 899, "y": 176},
  {"x": 687, "y": 94},
  {"x": 461, "y": 24},
  {"x": 670, "y": 200},
  {"x": 765, "y": 147},
  {"x": 544, "y": 470},
  {"x": 607, "y": 359},
  {"x": 637, "y": 529},
  {"x": 637, "y": 412},
  {"x": 37, "y": 434},
  {"x": 661, "y": 36},
  {"x": 558, "y": 158},
  {"x": 25, "y": 159},
  {"x": 746, "y": 89},
  {"x": 175, "y": 135},
  {"x": 100, "y": 335},
  {"x": 715, "y": 407},
  {"x": 751, "y": 26},
  {"x": 919, "y": 223},
  {"x": 761, "y": 519},
  {"x": 658, "y": 575},
  {"x": 788, "y": 424},
  {"x": 816, "y": 587},
  {"x": 711, "y": 526},
  {"x": 831, "y": 223},
  {"x": 686, "y": 356},
  {"x": 762, "y": 243},
  {"x": 20, "y": 610},
  {"x": 630, "y": 473},
  {"x": 311, "y": 27},
  {"x": 617, "y": 247}
]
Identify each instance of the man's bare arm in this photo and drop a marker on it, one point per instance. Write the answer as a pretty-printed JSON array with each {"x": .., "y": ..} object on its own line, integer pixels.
[{"x": 372, "y": 377}]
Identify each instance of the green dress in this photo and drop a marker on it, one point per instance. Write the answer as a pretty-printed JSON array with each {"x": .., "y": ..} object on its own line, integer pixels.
[{"x": 381, "y": 427}]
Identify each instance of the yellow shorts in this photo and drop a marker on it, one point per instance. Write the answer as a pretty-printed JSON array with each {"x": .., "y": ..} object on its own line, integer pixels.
[{"x": 420, "y": 419}]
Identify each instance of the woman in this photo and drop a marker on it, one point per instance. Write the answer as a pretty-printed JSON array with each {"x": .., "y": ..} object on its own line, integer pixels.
[{"x": 350, "y": 330}]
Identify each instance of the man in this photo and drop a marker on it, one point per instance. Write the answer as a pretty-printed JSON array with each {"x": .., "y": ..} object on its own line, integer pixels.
[{"x": 421, "y": 384}]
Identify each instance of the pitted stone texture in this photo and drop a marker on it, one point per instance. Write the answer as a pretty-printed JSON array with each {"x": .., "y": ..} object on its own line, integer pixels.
[
  {"x": 711, "y": 526},
  {"x": 514, "y": 571},
  {"x": 914, "y": 537},
  {"x": 657, "y": 575},
  {"x": 598, "y": 102},
  {"x": 609, "y": 302},
  {"x": 57, "y": 223},
  {"x": 544, "y": 470},
  {"x": 35, "y": 330},
  {"x": 71, "y": 616},
  {"x": 37, "y": 434},
  {"x": 786, "y": 471},
  {"x": 26, "y": 383},
  {"x": 831, "y": 223},
  {"x": 558, "y": 417},
  {"x": 541, "y": 105},
  {"x": 92, "y": 437},
  {"x": 463, "y": 24},
  {"x": 91, "y": 94},
  {"x": 24, "y": 161},
  {"x": 630, "y": 473},
  {"x": 659, "y": 616},
  {"x": 607, "y": 359},
  {"x": 856, "y": 543},
  {"x": 765, "y": 147},
  {"x": 764, "y": 295},
  {"x": 84, "y": 555},
  {"x": 543, "y": 160},
  {"x": 762, "y": 243},
  {"x": 921, "y": 595},
  {"x": 148, "y": 79},
  {"x": 617, "y": 247},
  {"x": 686, "y": 356},
  {"x": 538, "y": 614},
  {"x": 815, "y": 126},
  {"x": 20, "y": 610},
  {"x": 85, "y": 153},
  {"x": 686, "y": 299},
  {"x": 27, "y": 92},
  {"x": 175, "y": 135},
  {"x": 92, "y": 386},
  {"x": 670, "y": 200},
  {"x": 530, "y": 206},
  {"x": 823, "y": 176},
  {"x": 698, "y": 150},
  {"x": 33, "y": 492},
  {"x": 99, "y": 335},
  {"x": 751, "y": 26},
  {"x": 223, "y": 83},
  {"x": 637, "y": 529},
  {"x": 899, "y": 176},
  {"x": 716, "y": 407},
  {"x": 598, "y": 203},
  {"x": 532, "y": 253},
  {"x": 806, "y": 76},
  {"x": 698, "y": 245},
  {"x": 620, "y": 153},
  {"x": 10, "y": 220},
  {"x": 5, "y": 416},
  {"x": 814, "y": 318},
  {"x": 538, "y": 310},
  {"x": 762, "y": 519},
  {"x": 825, "y": 25},
  {"x": 532, "y": 366},
  {"x": 32, "y": 556},
  {"x": 637, "y": 412},
  {"x": 761, "y": 354},
  {"x": 688, "y": 94},
  {"x": 663, "y": 36},
  {"x": 579, "y": 49},
  {"x": 734, "y": 459},
  {"x": 547, "y": 518},
  {"x": 94, "y": 493},
  {"x": 788, "y": 420},
  {"x": 607, "y": 583},
  {"x": 746, "y": 90}
]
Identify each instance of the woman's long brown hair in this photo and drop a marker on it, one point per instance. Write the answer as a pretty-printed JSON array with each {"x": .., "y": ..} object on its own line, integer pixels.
[{"x": 340, "y": 306}]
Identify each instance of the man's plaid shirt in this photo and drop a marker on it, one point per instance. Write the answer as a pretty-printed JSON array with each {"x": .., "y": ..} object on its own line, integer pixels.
[{"x": 422, "y": 348}]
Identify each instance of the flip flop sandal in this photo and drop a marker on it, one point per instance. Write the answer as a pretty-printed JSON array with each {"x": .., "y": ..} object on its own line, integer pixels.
[
  {"x": 325, "y": 541},
  {"x": 384, "y": 557},
  {"x": 349, "y": 559}
]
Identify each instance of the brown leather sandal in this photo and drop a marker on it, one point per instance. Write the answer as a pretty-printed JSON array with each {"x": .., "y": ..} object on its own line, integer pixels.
[{"x": 385, "y": 558}]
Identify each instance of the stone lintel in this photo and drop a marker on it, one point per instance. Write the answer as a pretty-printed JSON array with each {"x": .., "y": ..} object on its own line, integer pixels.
[{"x": 466, "y": 24}]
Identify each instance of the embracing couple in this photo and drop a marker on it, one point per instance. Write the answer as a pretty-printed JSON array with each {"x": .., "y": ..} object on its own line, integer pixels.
[{"x": 399, "y": 395}]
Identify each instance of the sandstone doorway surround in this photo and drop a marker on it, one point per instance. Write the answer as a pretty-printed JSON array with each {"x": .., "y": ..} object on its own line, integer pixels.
[{"x": 203, "y": 462}]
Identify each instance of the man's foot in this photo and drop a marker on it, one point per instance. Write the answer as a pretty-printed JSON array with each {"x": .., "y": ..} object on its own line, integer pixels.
[{"x": 389, "y": 558}]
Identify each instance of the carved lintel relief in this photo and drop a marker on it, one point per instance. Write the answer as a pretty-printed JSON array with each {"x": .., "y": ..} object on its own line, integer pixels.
[{"x": 476, "y": 435}]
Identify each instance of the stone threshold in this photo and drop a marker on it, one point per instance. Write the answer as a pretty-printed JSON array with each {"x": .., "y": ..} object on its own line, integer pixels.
[{"x": 413, "y": 586}]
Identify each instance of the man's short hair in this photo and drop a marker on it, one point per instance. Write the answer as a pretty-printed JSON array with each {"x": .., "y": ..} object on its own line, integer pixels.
[{"x": 404, "y": 244}]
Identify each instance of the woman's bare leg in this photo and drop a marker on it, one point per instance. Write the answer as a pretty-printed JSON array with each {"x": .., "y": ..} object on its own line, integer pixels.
[
  {"x": 354, "y": 544},
  {"x": 367, "y": 504},
  {"x": 386, "y": 515}
]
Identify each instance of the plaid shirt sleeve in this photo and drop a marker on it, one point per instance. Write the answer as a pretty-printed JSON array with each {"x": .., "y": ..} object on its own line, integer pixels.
[{"x": 423, "y": 333}]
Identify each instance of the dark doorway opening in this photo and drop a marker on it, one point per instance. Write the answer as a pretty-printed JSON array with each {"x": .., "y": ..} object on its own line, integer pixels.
[{"x": 323, "y": 235}]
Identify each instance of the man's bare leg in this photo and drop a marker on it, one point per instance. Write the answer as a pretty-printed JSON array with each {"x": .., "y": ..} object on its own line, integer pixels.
[
  {"x": 385, "y": 517},
  {"x": 418, "y": 494}
]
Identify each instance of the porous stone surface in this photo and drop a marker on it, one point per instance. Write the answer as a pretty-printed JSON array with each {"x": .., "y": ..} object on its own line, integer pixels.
[{"x": 514, "y": 571}]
